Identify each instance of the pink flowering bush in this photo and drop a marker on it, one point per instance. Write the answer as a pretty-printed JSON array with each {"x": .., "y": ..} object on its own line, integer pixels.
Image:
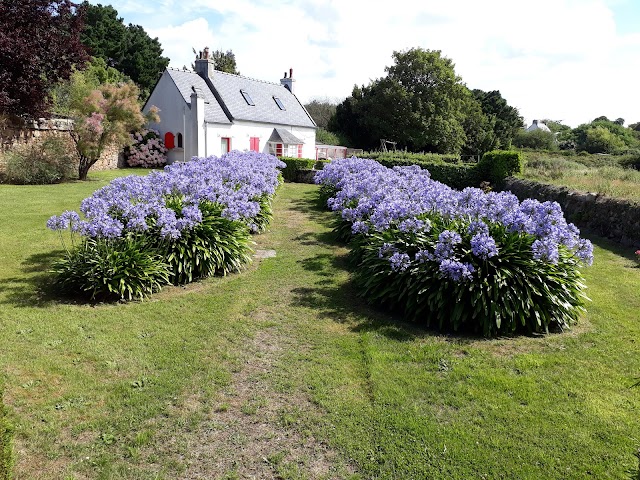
[{"x": 147, "y": 150}]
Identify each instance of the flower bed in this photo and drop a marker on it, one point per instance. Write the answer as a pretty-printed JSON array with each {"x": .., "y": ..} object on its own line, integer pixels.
[
  {"x": 189, "y": 221},
  {"x": 460, "y": 260}
]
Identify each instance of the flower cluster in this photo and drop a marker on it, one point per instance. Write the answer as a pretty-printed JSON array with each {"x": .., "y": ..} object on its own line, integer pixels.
[
  {"x": 168, "y": 201},
  {"x": 456, "y": 259},
  {"x": 147, "y": 150},
  {"x": 373, "y": 198}
]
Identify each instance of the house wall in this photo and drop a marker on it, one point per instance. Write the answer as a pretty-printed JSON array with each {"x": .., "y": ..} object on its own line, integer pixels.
[
  {"x": 175, "y": 116},
  {"x": 241, "y": 131}
]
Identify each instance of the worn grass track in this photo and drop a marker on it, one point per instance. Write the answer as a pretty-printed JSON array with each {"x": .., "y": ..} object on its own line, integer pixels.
[{"x": 282, "y": 372}]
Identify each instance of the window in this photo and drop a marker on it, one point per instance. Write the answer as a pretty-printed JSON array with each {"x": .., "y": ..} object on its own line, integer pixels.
[
  {"x": 254, "y": 144},
  {"x": 247, "y": 98},
  {"x": 225, "y": 145},
  {"x": 179, "y": 140},
  {"x": 276, "y": 149},
  {"x": 169, "y": 140},
  {"x": 279, "y": 103}
]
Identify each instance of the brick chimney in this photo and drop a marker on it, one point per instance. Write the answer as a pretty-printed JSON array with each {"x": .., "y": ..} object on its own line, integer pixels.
[
  {"x": 288, "y": 82},
  {"x": 205, "y": 65}
]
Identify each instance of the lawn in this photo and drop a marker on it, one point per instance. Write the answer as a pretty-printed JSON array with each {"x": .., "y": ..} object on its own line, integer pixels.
[{"x": 282, "y": 372}]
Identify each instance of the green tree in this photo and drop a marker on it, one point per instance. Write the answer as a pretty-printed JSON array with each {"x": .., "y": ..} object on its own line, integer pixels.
[
  {"x": 324, "y": 137},
  {"x": 537, "y": 139},
  {"x": 601, "y": 140},
  {"x": 225, "y": 61},
  {"x": 419, "y": 104},
  {"x": 620, "y": 138},
  {"x": 506, "y": 119},
  {"x": 321, "y": 110},
  {"x": 93, "y": 74},
  {"x": 479, "y": 129},
  {"x": 127, "y": 48}
]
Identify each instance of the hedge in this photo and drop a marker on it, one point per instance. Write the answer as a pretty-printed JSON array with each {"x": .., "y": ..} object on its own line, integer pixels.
[
  {"x": 497, "y": 165},
  {"x": 296, "y": 164},
  {"x": 414, "y": 157}
]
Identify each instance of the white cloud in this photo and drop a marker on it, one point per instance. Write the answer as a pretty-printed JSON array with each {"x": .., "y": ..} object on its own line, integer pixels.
[{"x": 562, "y": 59}]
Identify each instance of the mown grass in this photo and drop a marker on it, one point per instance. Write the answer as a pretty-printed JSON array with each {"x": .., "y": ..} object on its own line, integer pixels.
[
  {"x": 124, "y": 390},
  {"x": 598, "y": 175}
]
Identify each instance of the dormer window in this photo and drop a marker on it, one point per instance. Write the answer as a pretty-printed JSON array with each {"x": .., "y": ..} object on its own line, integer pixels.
[
  {"x": 247, "y": 98},
  {"x": 279, "y": 103}
]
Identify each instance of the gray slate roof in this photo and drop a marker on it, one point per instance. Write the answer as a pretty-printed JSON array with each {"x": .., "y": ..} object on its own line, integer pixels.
[
  {"x": 232, "y": 104},
  {"x": 281, "y": 135},
  {"x": 213, "y": 112},
  {"x": 265, "y": 110}
]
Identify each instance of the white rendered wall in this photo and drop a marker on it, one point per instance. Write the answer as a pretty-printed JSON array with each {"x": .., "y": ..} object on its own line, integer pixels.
[
  {"x": 175, "y": 116},
  {"x": 241, "y": 131}
]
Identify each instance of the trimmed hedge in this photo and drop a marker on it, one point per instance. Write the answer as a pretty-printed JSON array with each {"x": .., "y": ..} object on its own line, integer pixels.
[
  {"x": 497, "y": 165},
  {"x": 6, "y": 445},
  {"x": 456, "y": 175},
  {"x": 296, "y": 164},
  {"x": 414, "y": 157}
]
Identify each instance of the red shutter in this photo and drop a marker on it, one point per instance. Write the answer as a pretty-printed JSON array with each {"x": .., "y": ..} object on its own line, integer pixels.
[
  {"x": 299, "y": 151},
  {"x": 254, "y": 144},
  {"x": 169, "y": 140},
  {"x": 278, "y": 149}
]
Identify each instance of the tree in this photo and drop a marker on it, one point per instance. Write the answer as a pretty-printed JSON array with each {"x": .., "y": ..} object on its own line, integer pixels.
[
  {"x": 321, "y": 110},
  {"x": 617, "y": 137},
  {"x": 71, "y": 92},
  {"x": 537, "y": 139},
  {"x": 39, "y": 44},
  {"x": 507, "y": 119},
  {"x": 128, "y": 49},
  {"x": 103, "y": 116},
  {"x": 419, "y": 104},
  {"x": 225, "y": 61}
]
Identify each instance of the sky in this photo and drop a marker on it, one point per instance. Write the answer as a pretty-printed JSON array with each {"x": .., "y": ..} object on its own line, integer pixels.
[{"x": 566, "y": 60}]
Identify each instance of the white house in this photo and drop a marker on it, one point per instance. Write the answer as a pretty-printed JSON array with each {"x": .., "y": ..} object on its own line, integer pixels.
[
  {"x": 538, "y": 126},
  {"x": 208, "y": 112}
]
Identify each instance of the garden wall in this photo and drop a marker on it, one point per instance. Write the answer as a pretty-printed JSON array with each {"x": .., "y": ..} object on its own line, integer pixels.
[
  {"x": 37, "y": 131},
  {"x": 612, "y": 218}
]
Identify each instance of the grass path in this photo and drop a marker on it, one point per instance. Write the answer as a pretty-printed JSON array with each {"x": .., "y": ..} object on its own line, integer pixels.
[{"x": 282, "y": 372}]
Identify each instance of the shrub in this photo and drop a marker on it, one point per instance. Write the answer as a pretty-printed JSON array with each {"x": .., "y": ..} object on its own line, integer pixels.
[
  {"x": 459, "y": 260},
  {"x": 537, "y": 140},
  {"x": 124, "y": 268},
  {"x": 631, "y": 160},
  {"x": 189, "y": 221},
  {"x": 147, "y": 150},
  {"x": 216, "y": 245},
  {"x": 293, "y": 165},
  {"x": 6, "y": 444},
  {"x": 497, "y": 165},
  {"x": 40, "y": 163}
]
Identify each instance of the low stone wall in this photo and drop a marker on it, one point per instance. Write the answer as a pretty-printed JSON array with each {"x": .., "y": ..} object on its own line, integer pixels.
[
  {"x": 612, "y": 218},
  {"x": 304, "y": 176},
  {"x": 38, "y": 131}
]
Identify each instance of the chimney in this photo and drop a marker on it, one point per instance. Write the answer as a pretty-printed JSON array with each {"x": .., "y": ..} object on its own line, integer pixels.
[
  {"x": 535, "y": 122},
  {"x": 288, "y": 82},
  {"x": 205, "y": 66}
]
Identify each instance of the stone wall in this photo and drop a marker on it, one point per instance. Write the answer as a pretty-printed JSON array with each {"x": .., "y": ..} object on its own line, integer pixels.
[
  {"x": 38, "y": 131},
  {"x": 616, "y": 219}
]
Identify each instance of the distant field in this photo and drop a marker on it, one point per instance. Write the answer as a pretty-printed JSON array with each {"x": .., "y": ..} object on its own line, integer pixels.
[{"x": 593, "y": 173}]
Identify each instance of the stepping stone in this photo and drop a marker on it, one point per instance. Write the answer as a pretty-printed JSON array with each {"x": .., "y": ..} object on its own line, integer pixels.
[{"x": 264, "y": 254}]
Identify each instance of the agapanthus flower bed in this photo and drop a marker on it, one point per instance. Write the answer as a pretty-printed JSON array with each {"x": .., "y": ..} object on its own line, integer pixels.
[
  {"x": 147, "y": 150},
  {"x": 457, "y": 260},
  {"x": 192, "y": 220}
]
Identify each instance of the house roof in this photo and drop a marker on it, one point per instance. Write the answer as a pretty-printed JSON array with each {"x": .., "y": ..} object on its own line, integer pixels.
[
  {"x": 224, "y": 101},
  {"x": 280, "y": 135},
  {"x": 263, "y": 94},
  {"x": 187, "y": 82}
]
